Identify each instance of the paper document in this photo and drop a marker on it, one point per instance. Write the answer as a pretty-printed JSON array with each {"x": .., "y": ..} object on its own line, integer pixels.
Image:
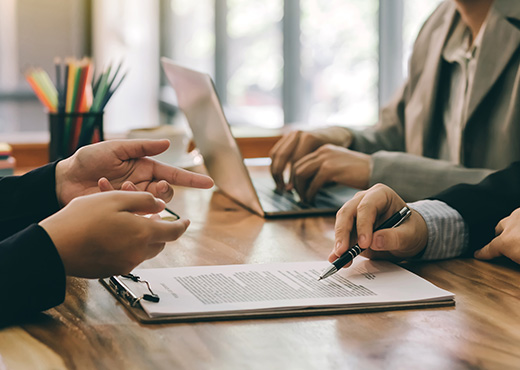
[{"x": 282, "y": 286}]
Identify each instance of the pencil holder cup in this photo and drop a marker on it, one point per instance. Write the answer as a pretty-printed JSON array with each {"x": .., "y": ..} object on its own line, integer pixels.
[{"x": 71, "y": 131}]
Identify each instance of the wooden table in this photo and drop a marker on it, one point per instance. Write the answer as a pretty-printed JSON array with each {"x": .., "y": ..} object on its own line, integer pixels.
[{"x": 92, "y": 330}]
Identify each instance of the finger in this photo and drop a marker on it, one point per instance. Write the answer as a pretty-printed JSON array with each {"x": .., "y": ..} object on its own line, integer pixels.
[
  {"x": 165, "y": 231},
  {"x": 500, "y": 226},
  {"x": 304, "y": 172},
  {"x": 387, "y": 240},
  {"x": 366, "y": 218},
  {"x": 164, "y": 191},
  {"x": 491, "y": 250},
  {"x": 300, "y": 165},
  {"x": 319, "y": 180},
  {"x": 344, "y": 224},
  {"x": 307, "y": 143},
  {"x": 178, "y": 176},
  {"x": 274, "y": 150},
  {"x": 138, "y": 148},
  {"x": 160, "y": 189},
  {"x": 104, "y": 185},
  {"x": 129, "y": 186},
  {"x": 136, "y": 202},
  {"x": 376, "y": 203},
  {"x": 280, "y": 156}
]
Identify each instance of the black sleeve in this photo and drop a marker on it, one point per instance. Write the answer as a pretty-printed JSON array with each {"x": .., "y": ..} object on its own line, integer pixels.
[
  {"x": 483, "y": 205},
  {"x": 31, "y": 270},
  {"x": 32, "y": 274},
  {"x": 27, "y": 199}
]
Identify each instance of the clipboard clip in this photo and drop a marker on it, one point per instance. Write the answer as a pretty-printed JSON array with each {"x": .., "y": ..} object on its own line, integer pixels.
[{"x": 126, "y": 293}]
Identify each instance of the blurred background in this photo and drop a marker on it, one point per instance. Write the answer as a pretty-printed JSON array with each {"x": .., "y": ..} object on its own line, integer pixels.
[{"x": 274, "y": 62}]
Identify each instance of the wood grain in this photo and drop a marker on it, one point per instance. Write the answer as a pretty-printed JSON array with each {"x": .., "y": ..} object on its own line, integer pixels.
[{"x": 92, "y": 330}]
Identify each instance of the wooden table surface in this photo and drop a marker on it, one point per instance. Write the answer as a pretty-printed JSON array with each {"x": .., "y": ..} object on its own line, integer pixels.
[{"x": 92, "y": 330}]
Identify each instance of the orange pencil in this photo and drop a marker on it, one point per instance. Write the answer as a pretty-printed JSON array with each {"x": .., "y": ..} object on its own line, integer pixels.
[{"x": 40, "y": 94}]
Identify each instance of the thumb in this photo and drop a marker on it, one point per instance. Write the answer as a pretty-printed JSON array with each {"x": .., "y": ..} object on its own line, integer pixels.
[
  {"x": 137, "y": 202},
  {"x": 138, "y": 148},
  {"x": 386, "y": 240}
]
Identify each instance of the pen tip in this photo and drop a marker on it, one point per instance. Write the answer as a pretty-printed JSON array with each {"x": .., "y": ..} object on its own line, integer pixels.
[{"x": 321, "y": 277}]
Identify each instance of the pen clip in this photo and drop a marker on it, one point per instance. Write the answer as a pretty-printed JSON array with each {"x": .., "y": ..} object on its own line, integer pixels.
[{"x": 405, "y": 216}]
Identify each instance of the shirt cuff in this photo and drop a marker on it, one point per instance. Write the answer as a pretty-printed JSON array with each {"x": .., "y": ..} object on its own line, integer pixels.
[{"x": 447, "y": 232}]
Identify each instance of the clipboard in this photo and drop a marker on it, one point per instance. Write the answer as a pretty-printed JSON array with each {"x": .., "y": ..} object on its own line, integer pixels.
[{"x": 131, "y": 301}]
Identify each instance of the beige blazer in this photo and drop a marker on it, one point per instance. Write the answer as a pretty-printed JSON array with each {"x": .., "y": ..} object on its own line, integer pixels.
[{"x": 404, "y": 144}]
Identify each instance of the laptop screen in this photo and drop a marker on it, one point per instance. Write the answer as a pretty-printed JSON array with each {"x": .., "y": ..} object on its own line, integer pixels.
[{"x": 198, "y": 100}]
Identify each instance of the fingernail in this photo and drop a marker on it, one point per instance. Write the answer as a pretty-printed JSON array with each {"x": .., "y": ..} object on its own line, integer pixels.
[
  {"x": 362, "y": 238},
  {"x": 166, "y": 187},
  {"x": 379, "y": 242}
]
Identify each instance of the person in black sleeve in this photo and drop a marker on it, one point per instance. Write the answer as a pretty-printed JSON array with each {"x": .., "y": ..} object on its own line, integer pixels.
[{"x": 63, "y": 220}]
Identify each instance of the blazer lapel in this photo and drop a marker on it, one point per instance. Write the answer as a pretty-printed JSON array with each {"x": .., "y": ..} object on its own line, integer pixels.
[
  {"x": 421, "y": 108},
  {"x": 497, "y": 48}
]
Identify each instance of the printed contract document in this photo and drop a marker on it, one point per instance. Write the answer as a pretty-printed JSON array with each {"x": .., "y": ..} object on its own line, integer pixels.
[{"x": 236, "y": 290}]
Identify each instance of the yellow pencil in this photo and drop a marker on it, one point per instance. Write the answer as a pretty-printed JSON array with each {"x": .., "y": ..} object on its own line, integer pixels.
[{"x": 46, "y": 84}]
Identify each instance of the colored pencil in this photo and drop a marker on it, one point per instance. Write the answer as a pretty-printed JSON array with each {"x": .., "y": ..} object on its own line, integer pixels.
[{"x": 76, "y": 91}]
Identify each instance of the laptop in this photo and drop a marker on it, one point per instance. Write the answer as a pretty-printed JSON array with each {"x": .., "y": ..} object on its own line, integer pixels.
[{"x": 198, "y": 100}]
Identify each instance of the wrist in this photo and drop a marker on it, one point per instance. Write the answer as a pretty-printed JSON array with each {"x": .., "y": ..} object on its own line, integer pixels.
[
  {"x": 344, "y": 135},
  {"x": 61, "y": 178},
  {"x": 421, "y": 236},
  {"x": 59, "y": 239}
]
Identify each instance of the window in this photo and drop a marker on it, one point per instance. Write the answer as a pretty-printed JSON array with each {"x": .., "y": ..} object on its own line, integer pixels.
[
  {"x": 274, "y": 62},
  {"x": 311, "y": 61},
  {"x": 32, "y": 33},
  {"x": 339, "y": 61}
]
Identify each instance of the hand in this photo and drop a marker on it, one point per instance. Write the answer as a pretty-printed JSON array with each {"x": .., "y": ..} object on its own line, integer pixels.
[
  {"x": 328, "y": 164},
  {"x": 297, "y": 144},
  {"x": 122, "y": 161},
  {"x": 506, "y": 242},
  {"x": 103, "y": 234},
  {"x": 370, "y": 208}
]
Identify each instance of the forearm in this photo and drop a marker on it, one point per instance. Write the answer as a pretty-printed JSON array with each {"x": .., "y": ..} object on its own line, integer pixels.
[
  {"x": 32, "y": 274},
  {"x": 374, "y": 139},
  {"x": 27, "y": 199},
  {"x": 414, "y": 177}
]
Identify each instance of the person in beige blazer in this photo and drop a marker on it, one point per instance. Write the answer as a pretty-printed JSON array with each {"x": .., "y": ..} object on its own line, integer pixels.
[{"x": 455, "y": 120}]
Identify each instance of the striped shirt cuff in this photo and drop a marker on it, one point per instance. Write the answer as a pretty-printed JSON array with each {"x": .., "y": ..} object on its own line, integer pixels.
[{"x": 447, "y": 231}]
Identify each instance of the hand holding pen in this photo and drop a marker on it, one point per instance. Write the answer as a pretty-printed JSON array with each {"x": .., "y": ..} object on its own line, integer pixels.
[
  {"x": 394, "y": 221},
  {"x": 360, "y": 215}
]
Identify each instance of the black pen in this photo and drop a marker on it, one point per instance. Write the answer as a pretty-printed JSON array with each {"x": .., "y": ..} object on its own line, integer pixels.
[
  {"x": 175, "y": 215},
  {"x": 394, "y": 221}
]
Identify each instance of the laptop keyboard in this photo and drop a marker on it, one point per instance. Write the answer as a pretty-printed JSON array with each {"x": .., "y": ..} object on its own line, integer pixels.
[{"x": 282, "y": 201}]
